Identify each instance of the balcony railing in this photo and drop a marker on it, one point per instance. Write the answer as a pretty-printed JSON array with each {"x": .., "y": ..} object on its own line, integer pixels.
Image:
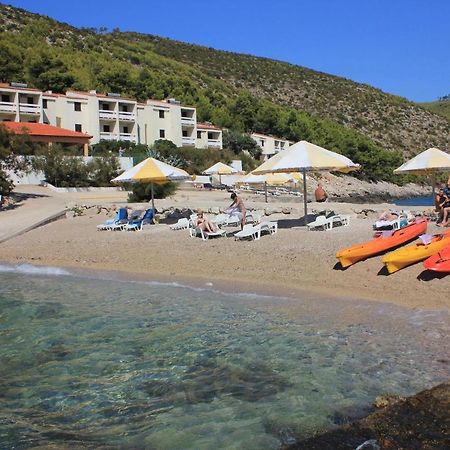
[
  {"x": 8, "y": 107},
  {"x": 214, "y": 143},
  {"x": 105, "y": 114},
  {"x": 128, "y": 116},
  {"x": 108, "y": 136},
  {"x": 188, "y": 121},
  {"x": 188, "y": 142},
  {"x": 127, "y": 137},
  {"x": 26, "y": 108}
]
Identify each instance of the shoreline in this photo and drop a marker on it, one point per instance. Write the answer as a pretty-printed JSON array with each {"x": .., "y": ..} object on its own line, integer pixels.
[{"x": 211, "y": 284}]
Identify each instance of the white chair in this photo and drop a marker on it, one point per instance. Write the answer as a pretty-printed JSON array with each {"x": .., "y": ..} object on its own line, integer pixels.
[{"x": 321, "y": 223}]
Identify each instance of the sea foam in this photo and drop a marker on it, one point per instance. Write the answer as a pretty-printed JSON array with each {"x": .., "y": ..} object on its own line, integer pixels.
[{"x": 33, "y": 270}]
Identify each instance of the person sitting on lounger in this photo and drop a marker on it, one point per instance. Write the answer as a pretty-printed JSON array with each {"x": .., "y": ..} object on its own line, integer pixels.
[{"x": 203, "y": 223}]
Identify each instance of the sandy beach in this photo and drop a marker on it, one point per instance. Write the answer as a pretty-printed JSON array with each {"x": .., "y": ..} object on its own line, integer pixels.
[{"x": 293, "y": 262}]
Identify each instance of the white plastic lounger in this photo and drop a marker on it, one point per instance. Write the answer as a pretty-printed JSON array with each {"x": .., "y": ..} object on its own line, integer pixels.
[
  {"x": 182, "y": 224},
  {"x": 324, "y": 223},
  {"x": 254, "y": 230},
  {"x": 205, "y": 235}
]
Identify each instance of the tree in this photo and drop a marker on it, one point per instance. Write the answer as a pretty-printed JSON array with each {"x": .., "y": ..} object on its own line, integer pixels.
[
  {"x": 239, "y": 143},
  {"x": 14, "y": 152},
  {"x": 50, "y": 73},
  {"x": 11, "y": 67}
]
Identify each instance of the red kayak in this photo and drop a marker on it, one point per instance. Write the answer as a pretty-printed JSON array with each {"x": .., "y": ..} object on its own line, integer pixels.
[{"x": 440, "y": 261}]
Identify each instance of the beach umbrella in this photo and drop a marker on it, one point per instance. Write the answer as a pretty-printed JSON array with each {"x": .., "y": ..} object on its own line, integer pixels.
[
  {"x": 306, "y": 157},
  {"x": 273, "y": 179},
  {"x": 152, "y": 171},
  {"x": 220, "y": 169},
  {"x": 428, "y": 162}
]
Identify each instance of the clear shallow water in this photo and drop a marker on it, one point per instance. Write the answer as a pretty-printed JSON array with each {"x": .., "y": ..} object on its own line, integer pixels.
[{"x": 102, "y": 363}]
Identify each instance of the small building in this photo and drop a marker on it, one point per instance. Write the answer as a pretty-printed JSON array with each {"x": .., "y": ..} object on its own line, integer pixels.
[
  {"x": 48, "y": 134},
  {"x": 269, "y": 145}
]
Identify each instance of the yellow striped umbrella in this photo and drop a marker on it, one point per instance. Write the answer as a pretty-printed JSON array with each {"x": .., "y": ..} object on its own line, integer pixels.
[
  {"x": 428, "y": 162},
  {"x": 306, "y": 157},
  {"x": 152, "y": 170}
]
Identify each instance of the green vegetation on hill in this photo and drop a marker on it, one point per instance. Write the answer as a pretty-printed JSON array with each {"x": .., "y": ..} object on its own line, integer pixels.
[
  {"x": 441, "y": 107},
  {"x": 238, "y": 92}
]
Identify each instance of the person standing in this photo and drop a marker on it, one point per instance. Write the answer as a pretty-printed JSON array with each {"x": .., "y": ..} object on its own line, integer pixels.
[{"x": 237, "y": 207}]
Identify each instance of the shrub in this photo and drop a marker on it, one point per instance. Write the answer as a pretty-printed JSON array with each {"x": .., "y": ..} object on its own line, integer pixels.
[{"x": 142, "y": 192}]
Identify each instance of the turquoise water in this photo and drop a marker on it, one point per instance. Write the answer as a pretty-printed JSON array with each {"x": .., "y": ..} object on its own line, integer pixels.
[{"x": 92, "y": 363}]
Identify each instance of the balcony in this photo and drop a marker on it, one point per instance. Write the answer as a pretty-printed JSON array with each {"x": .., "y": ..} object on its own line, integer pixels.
[
  {"x": 106, "y": 114},
  {"x": 188, "y": 142},
  {"x": 214, "y": 143},
  {"x": 127, "y": 137},
  {"x": 188, "y": 121},
  {"x": 108, "y": 136},
  {"x": 8, "y": 107},
  {"x": 27, "y": 108},
  {"x": 127, "y": 116}
]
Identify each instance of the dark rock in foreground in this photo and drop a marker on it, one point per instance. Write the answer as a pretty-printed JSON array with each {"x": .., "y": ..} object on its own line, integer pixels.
[{"x": 420, "y": 422}]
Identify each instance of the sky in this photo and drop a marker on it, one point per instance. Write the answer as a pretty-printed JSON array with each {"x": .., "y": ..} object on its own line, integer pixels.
[{"x": 399, "y": 46}]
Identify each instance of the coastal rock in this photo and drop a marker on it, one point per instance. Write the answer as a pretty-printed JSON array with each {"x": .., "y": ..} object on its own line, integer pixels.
[
  {"x": 387, "y": 400},
  {"x": 417, "y": 422}
]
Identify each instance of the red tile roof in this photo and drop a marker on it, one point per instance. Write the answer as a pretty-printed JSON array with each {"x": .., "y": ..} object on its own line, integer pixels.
[
  {"x": 207, "y": 126},
  {"x": 42, "y": 129}
]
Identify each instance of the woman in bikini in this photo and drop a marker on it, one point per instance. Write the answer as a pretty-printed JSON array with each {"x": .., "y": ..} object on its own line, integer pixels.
[{"x": 203, "y": 223}]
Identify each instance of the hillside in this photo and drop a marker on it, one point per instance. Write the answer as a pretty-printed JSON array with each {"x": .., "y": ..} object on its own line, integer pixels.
[
  {"x": 441, "y": 107},
  {"x": 239, "y": 92}
]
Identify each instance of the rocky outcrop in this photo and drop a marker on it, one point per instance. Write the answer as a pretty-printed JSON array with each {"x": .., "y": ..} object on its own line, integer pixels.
[{"x": 419, "y": 422}]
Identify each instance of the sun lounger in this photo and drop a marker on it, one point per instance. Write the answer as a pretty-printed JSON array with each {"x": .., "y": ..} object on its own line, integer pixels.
[
  {"x": 254, "y": 231},
  {"x": 135, "y": 215},
  {"x": 182, "y": 224},
  {"x": 328, "y": 223},
  {"x": 136, "y": 225},
  {"x": 121, "y": 217},
  {"x": 194, "y": 232}
]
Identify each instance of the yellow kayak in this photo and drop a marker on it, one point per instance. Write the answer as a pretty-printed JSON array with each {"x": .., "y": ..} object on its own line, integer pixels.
[{"x": 418, "y": 251}]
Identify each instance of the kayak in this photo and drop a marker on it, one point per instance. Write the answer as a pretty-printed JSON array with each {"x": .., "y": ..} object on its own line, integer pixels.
[
  {"x": 386, "y": 241},
  {"x": 440, "y": 262},
  {"x": 418, "y": 251}
]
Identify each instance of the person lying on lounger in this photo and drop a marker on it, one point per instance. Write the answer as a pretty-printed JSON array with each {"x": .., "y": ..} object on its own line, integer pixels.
[{"x": 203, "y": 223}]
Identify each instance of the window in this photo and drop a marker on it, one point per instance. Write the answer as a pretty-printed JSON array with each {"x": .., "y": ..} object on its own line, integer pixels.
[
  {"x": 78, "y": 127},
  {"x": 184, "y": 133},
  {"x": 5, "y": 98},
  {"x": 162, "y": 134},
  {"x": 262, "y": 143},
  {"x": 161, "y": 114},
  {"x": 199, "y": 134},
  {"x": 44, "y": 103},
  {"x": 210, "y": 136},
  {"x": 106, "y": 128},
  {"x": 105, "y": 106},
  {"x": 125, "y": 130},
  {"x": 77, "y": 106},
  {"x": 30, "y": 100},
  {"x": 124, "y": 108}
]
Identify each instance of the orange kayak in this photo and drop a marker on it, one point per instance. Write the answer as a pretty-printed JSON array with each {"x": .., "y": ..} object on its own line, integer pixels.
[
  {"x": 440, "y": 262},
  {"x": 418, "y": 251},
  {"x": 380, "y": 244}
]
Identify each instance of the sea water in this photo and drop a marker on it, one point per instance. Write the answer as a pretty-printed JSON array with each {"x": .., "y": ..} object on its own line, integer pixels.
[{"x": 102, "y": 363}]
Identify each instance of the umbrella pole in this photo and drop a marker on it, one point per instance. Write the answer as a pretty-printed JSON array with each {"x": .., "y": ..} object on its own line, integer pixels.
[
  {"x": 305, "y": 200},
  {"x": 265, "y": 190},
  {"x": 433, "y": 184},
  {"x": 153, "y": 198}
]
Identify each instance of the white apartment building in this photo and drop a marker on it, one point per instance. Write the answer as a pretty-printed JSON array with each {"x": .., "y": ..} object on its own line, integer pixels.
[
  {"x": 269, "y": 145},
  {"x": 109, "y": 117}
]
